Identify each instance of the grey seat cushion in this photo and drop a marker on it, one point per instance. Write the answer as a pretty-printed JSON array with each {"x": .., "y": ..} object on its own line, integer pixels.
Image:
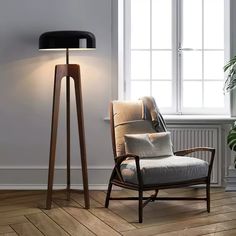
[{"x": 165, "y": 170}]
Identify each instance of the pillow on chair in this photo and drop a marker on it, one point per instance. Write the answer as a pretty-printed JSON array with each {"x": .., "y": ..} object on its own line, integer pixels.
[{"x": 149, "y": 144}]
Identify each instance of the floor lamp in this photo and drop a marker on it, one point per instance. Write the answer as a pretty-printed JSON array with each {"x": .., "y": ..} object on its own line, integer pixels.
[{"x": 66, "y": 40}]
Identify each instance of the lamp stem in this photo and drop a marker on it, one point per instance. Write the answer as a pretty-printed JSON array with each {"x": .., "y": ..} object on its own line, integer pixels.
[
  {"x": 68, "y": 126},
  {"x": 67, "y": 56}
]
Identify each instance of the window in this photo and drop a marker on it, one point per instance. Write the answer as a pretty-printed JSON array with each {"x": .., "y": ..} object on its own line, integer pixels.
[{"x": 175, "y": 51}]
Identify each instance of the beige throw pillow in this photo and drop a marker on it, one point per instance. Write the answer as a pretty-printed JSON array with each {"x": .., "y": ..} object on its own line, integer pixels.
[{"x": 149, "y": 144}]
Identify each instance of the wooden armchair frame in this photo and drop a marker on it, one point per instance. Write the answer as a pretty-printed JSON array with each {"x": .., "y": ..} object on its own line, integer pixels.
[{"x": 116, "y": 178}]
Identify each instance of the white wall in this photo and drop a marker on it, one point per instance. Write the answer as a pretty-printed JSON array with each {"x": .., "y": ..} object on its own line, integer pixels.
[{"x": 26, "y": 85}]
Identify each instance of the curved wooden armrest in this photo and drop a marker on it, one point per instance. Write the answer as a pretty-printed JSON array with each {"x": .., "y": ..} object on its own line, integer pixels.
[
  {"x": 198, "y": 149},
  {"x": 191, "y": 150},
  {"x": 119, "y": 159},
  {"x": 123, "y": 157}
]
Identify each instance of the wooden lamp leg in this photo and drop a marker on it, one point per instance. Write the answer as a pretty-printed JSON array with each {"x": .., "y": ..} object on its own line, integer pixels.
[
  {"x": 79, "y": 106},
  {"x": 72, "y": 71},
  {"x": 54, "y": 125}
]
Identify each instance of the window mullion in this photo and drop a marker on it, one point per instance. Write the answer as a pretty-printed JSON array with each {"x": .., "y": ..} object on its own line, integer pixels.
[
  {"x": 127, "y": 49},
  {"x": 203, "y": 53},
  {"x": 178, "y": 54},
  {"x": 151, "y": 47}
]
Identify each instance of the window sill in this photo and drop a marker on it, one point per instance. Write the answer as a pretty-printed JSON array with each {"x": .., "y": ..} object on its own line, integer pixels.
[
  {"x": 196, "y": 119},
  {"x": 216, "y": 119}
]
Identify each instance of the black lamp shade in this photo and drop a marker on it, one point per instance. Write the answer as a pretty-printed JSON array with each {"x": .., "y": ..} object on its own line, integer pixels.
[{"x": 67, "y": 39}]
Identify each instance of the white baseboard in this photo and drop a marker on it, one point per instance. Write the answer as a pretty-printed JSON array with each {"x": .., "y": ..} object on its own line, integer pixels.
[
  {"x": 55, "y": 187},
  {"x": 231, "y": 180},
  {"x": 35, "y": 178},
  {"x": 230, "y": 189}
]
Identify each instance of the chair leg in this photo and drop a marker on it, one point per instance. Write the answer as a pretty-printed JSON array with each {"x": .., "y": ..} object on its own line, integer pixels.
[
  {"x": 154, "y": 195},
  {"x": 108, "y": 195},
  {"x": 140, "y": 206},
  {"x": 208, "y": 196}
]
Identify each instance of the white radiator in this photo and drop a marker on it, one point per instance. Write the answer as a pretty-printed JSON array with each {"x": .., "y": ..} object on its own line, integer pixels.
[{"x": 184, "y": 137}]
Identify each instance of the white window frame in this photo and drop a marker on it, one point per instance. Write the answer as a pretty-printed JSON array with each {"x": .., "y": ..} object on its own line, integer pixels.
[{"x": 124, "y": 53}]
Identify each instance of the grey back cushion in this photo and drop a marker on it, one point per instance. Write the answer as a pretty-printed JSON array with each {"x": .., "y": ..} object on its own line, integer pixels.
[{"x": 149, "y": 144}]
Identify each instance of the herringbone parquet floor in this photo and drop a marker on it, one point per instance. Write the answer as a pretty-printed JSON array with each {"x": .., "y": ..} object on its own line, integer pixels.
[{"x": 23, "y": 213}]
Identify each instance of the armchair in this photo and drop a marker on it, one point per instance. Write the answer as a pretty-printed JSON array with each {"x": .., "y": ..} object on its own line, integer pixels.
[{"x": 142, "y": 173}]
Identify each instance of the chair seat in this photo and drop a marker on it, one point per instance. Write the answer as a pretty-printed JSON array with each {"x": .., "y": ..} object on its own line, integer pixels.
[{"x": 165, "y": 170}]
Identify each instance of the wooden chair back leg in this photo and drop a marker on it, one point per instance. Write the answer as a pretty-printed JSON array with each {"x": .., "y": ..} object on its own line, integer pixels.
[
  {"x": 108, "y": 194},
  {"x": 140, "y": 206},
  {"x": 208, "y": 196}
]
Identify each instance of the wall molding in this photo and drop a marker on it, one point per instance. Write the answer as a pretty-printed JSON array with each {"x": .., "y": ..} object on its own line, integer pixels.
[
  {"x": 33, "y": 167},
  {"x": 231, "y": 179},
  {"x": 35, "y": 177},
  {"x": 55, "y": 187}
]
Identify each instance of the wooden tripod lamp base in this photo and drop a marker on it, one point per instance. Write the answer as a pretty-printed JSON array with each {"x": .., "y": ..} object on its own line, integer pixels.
[
  {"x": 70, "y": 71},
  {"x": 65, "y": 40}
]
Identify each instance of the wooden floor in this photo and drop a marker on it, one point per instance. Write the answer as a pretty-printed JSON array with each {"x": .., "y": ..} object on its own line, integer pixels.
[{"x": 23, "y": 213}]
